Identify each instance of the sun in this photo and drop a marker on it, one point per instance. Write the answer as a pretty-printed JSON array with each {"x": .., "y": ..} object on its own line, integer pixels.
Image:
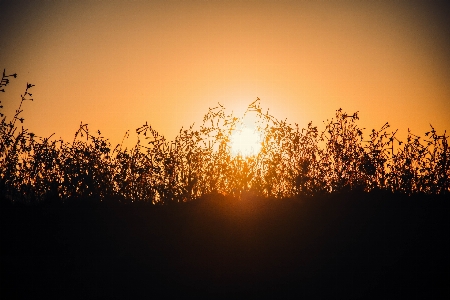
[{"x": 245, "y": 142}]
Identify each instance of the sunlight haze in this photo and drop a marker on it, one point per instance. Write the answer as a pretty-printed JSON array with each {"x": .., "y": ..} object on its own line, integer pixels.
[{"x": 117, "y": 64}]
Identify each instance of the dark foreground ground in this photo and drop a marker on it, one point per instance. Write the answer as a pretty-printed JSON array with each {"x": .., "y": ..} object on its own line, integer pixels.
[{"x": 353, "y": 246}]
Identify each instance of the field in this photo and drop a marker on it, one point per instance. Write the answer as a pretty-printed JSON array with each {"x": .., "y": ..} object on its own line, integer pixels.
[
  {"x": 331, "y": 214},
  {"x": 354, "y": 245}
]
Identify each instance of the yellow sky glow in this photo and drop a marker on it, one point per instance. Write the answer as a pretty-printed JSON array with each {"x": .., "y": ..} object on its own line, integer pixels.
[{"x": 117, "y": 64}]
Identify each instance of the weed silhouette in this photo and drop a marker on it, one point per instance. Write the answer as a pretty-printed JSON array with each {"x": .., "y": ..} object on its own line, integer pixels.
[{"x": 292, "y": 161}]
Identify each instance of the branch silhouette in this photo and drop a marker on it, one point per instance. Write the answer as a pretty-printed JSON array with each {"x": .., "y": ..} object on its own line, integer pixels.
[{"x": 292, "y": 161}]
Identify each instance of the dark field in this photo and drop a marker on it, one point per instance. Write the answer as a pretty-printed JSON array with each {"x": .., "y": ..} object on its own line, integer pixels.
[{"x": 353, "y": 246}]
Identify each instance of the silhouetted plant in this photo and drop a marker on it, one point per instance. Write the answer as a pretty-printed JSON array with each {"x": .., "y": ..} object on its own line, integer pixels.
[{"x": 292, "y": 161}]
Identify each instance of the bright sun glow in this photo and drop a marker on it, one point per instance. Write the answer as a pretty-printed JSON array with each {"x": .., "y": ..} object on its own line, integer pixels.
[{"x": 245, "y": 142}]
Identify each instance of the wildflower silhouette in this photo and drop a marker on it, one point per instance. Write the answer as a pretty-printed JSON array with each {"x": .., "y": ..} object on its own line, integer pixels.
[{"x": 291, "y": 161}]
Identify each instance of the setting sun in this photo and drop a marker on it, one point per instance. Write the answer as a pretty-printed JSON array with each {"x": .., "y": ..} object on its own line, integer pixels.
[
  {"x": 224, "y": 147},
  {"x": 245, "y": 142}
]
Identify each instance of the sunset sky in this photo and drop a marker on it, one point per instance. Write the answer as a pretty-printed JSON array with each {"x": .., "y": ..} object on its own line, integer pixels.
[{"x": 117, "y": 64}]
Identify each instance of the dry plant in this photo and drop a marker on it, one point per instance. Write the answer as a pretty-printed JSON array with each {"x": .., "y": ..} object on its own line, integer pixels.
[{"x": 292, "y": 161}]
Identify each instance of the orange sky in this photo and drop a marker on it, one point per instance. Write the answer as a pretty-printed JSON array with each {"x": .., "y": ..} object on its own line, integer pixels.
[{"x": 117, "y": 64}]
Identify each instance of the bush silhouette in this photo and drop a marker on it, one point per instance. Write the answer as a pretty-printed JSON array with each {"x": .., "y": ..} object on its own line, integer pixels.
[{"x": 292, "y": 161}]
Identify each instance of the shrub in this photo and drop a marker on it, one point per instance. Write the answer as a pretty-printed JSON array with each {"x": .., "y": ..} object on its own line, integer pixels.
[{"x": 292, "y": 161}]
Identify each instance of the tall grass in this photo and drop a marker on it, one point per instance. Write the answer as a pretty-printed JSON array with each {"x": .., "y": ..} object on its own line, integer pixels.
[{"x": 293, "y": 161}]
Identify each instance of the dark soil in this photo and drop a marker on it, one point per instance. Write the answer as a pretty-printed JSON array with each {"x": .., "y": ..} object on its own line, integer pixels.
[{"x": 342, "y": 246}]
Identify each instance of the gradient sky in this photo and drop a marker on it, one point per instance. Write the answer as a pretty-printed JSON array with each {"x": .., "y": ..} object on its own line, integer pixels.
[{"x": 117, "y": 64}]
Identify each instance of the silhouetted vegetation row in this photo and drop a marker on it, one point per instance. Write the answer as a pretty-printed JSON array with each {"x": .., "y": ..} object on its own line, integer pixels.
[{"x": 293, "y": 161}]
